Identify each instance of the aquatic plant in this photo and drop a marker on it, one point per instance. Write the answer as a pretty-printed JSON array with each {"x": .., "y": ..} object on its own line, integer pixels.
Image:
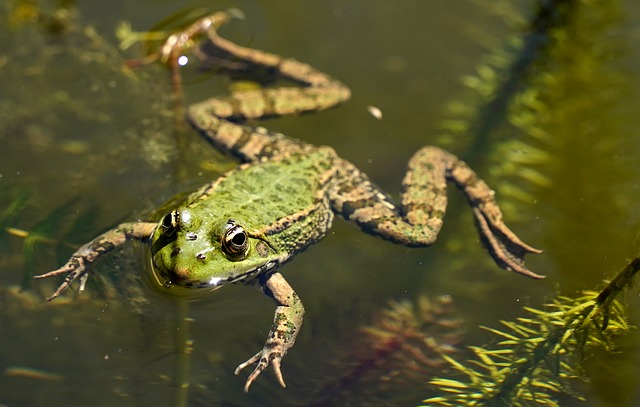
[
  {"x": 551, "y": 72},
  {"x": 57, "y": 18},
  {"x": 12, "y": 208},
  {"x": 154, "y": 41},
  {"x": 544, "y": 100},
  {"x": 389, "y": 358},
  {"x": 537, "y": 356},
  {"x": 59, "y": 228}
]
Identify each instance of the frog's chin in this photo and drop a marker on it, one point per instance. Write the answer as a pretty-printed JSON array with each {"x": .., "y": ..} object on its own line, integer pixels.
[{"x": 177, "y": 277}]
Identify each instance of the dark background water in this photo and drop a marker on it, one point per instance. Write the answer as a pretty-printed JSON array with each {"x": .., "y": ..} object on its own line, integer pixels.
[{"x": 78, "y": 131}]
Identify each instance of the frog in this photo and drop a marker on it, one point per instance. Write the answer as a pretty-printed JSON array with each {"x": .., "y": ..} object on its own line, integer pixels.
[{"x": 245, "y": 225}]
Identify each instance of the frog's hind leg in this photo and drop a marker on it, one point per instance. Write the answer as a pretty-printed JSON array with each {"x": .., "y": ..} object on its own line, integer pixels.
[
  {"x": 424, "y": 202},
  {"x": 223, "y": 120}
]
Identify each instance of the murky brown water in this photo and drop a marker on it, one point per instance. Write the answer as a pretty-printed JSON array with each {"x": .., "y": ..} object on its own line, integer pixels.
[{"x": 79, "y": 132}]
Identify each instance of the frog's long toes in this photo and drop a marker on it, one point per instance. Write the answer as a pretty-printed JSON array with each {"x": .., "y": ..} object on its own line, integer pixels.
[
  {"x": 56, "y": 272},
  {"x": 507, "y": 250},
  {"x": 261, "y": 366},
  {"x": 71, "y": 277},
  {"x": 256, "y": 372},
  {"x": 247, "y": 385},
  {"x": 276, "y": 369},
  {"x": 59, "y": 291},
  {"x": 250, "y": 361}
]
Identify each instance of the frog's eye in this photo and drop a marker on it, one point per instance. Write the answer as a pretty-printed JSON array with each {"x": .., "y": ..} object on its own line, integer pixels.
[
  {"x": 235, "y": 241},
  {"x": 170, "y": 221}
]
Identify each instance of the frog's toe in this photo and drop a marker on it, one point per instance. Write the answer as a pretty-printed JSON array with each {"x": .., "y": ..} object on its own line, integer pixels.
[
  {"x": 62, "y": 270},
  {"x": 73, "y": 271},
  {"x": 505, "y": 247},
  {"x": 263, "y": 359},
  {"x": 71, "y": 276},
  {"x": 276, "y": 369},
  {"x": 251, "y": 361}
]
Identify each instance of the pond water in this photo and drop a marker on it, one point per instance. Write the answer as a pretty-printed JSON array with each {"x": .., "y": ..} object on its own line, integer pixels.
[{"x": 547, "y": 116}]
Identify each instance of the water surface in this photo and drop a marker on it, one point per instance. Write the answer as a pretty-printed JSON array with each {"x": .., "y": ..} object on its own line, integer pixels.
[{"x": 82, "y": 133}]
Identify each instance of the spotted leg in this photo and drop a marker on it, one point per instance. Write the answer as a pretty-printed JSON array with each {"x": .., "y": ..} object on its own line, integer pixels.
[
  {"x": 286, "y": 324},
  {"x": 424, "y": 202},
  {"x": 222, "y": 120},
  {"x": 77, "y": 266}
]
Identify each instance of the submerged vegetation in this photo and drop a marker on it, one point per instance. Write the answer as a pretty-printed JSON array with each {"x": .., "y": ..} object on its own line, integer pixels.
[
  {"x": 58, "y": 230},
  {"x": 536, "y": 356},
  {"x": 543, "y": 106},
  {"x": 388, "y": 359},
  {"x": 539, "y": 98}
]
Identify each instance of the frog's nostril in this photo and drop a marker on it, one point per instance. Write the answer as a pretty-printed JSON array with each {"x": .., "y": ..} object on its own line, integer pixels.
[
  {"x": 202, "y": 254},
  {"x": 175, "y": 251}
]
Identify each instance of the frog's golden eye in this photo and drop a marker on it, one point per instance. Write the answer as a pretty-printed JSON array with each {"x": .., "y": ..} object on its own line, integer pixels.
[
  {"x": 170, "y": 221},
  {"x": 235, "y": 241}
]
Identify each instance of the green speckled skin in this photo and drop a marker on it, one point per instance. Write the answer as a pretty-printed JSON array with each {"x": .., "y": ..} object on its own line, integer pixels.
[
  {"x": 246, "y": 224},
  {"x": 252, "y": 196}
]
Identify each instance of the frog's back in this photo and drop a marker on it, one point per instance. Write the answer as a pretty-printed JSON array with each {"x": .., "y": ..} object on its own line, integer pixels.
[{"x": 264, "y": 192}]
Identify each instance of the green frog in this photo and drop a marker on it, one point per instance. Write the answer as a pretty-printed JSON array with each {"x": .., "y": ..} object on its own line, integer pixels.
[{"x": 242, "y": 227}]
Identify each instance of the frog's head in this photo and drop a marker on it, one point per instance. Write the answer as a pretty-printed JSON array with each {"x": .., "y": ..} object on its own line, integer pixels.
[{"x": 190, "y": 251}]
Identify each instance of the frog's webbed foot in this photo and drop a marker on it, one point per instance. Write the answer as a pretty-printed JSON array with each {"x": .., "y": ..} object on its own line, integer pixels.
[
  {"x": 507, "y": 250},
  {"x": 77, "y": 268},
  {"x": 286, "y": 325},
  {"x": 177, "y": 43},
  {"x": 268, "y": 355},
  {"x": 505, "y": 247}
]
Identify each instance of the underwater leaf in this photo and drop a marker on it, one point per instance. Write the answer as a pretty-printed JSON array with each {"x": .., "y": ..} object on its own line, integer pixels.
[
  {"x": 501, "y": 333},
  {"x": 44, "y": 231},
  {"x": 54, "y": 229},
  {"x": 9, "y": 216}
]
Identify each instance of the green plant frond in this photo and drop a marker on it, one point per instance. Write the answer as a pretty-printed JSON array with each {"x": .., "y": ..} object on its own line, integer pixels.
[
  {"x": 518, "y": 328},
  {"x": 535, "y": 357},
  {"x": 450, "y": 384},
  {"x": 501, "y": 333},
  {"x": 180, "y": 19},
  {"x": 458, "y": 366},
  {"x": 535, "y": 311},
  {"x": 53, "y": 229},
  {"x": 9, "y": 216},
  {"x": 14, "y": 208},
  {"x": 492, "y": 352},
  {"x": 540, "y": 354}
]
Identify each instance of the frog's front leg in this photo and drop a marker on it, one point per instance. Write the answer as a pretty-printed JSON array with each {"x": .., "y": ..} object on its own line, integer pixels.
[
  {"x": 286, "y": 325},
  {"x": 77, "y": 266},
  {"x": 424, "y": 202}
]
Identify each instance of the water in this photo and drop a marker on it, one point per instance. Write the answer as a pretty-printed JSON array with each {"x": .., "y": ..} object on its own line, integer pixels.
[{"x": 80, "y": 132}]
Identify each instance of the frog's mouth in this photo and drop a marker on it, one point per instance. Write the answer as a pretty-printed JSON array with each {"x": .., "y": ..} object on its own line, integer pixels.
[{"x": 179, "y": 277}]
